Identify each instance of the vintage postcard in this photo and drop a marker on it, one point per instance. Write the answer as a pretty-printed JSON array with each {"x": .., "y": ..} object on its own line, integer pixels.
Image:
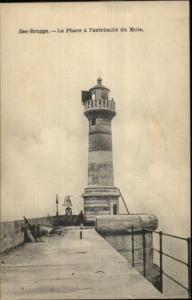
[{"x": 95, "y": 150}]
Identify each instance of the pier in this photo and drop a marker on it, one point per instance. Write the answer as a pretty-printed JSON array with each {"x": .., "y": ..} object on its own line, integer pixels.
[{"x": 63, "y": 266}]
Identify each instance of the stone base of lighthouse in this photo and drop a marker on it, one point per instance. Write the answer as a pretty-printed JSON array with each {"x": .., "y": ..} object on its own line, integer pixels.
[{"x": 100, "y": 200}]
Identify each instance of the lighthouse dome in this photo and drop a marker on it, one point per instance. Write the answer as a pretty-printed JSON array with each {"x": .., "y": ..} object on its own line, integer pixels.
[{"x": 99, "y": 85}]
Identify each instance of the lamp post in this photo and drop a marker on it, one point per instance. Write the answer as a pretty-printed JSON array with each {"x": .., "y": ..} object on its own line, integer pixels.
[
  {"x": 57, "y": 202},
  {"x": 57, "y": 211}
]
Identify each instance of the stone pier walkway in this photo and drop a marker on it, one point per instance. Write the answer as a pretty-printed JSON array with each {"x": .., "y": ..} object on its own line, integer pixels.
[{"x": 65, "y": 267}]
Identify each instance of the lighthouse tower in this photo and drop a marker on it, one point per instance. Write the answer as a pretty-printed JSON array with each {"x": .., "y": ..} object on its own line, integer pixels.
[{"x": 101, "y": 197}]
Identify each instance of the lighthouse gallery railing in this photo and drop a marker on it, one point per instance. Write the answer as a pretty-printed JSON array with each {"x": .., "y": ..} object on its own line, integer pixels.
[{"x": 100, "y": 103}]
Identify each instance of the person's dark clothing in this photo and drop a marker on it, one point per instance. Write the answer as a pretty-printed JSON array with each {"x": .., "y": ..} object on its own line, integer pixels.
[{"x": 81, "y": 217}]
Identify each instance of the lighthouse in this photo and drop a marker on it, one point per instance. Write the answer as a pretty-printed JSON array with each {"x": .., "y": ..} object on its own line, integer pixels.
[{"x": 100, "y": 195}]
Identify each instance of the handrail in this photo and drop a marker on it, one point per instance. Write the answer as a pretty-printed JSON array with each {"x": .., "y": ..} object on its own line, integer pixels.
[
  {"x": 170, "y": 256},
  {"x": 174, "y": 258},
  {"x": 161, "y": 253},
  {"x": 175, "y": 281},
  {"x": 155, "y": 231},
  {"x": 175, "y": 236},
  {"x": 157, "y": 267},
  {"x": 167, "y": 234}
]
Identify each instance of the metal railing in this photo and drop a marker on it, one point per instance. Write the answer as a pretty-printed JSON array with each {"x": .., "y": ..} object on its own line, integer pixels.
[
  {"x": 161, "y": 254},
  {"x": 100, "y": 103}
]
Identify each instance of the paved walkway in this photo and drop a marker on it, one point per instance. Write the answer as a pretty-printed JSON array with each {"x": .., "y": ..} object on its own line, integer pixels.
[{"x": 65, "y": 267}]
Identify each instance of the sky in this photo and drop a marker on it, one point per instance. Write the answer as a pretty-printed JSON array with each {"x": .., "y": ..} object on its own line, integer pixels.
[{"x": 44, "y": 134}]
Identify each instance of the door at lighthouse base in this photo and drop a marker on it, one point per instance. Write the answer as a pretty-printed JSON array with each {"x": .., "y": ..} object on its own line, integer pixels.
[{"x": 114, "y": 209}]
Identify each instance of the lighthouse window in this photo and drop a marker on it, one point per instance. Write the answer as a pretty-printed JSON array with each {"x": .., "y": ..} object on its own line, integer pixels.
[{"x": 93, "y": 121}]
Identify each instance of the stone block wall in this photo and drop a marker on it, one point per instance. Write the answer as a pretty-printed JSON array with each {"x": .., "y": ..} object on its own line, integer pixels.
[
  {"x": 47, "y": 221},
  {"x": 122, "y": 224},
  {"x": 123, "y": 244},
  {"x": 11, "y": 234},
  {"x": 116, "y": 230}
]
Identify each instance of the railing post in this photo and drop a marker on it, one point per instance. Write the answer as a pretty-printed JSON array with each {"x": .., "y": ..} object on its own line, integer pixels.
[
  {"x": 161, "y": 260},
  {"x": 189, "y": 266},
  {"x": 133, "y": 250},
  {"x": 143, "y": 235}
]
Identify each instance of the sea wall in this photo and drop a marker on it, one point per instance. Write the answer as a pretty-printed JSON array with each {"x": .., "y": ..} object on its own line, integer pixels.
[
  {"x": 123, "y": 244},
  {"x": 12, "y": 233},
  {"x": 120, "y": 224},
  {"x": 117, "y": 231},
  {"x": 48, "y": 221}
]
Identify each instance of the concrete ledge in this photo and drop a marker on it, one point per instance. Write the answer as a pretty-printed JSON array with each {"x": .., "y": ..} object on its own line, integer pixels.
[
  {"x": 120, "y": 224},
  {"x": 12, "y": 233}
]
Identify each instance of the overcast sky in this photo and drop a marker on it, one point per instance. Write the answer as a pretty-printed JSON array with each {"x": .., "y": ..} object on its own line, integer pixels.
[{"x": 44, "y": 132}]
